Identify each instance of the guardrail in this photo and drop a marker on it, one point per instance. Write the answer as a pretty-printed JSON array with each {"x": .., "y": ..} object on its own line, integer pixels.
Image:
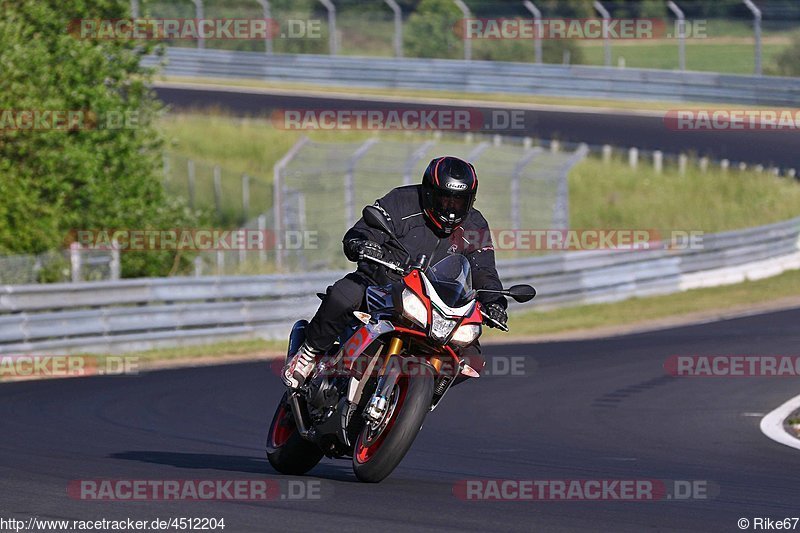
[
  {"x": 137, "y": 314},
  {"x": 484, "y": 76}
]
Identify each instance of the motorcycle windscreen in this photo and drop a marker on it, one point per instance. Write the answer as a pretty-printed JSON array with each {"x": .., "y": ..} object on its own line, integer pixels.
[{"x": 452, "y": 279}]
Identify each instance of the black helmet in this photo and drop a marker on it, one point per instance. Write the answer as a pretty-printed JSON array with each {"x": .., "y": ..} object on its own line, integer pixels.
[{"x": 449, "y": 186}]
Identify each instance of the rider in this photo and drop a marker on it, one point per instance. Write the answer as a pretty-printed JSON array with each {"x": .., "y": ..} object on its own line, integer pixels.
[{"x": 435, "y": 219}]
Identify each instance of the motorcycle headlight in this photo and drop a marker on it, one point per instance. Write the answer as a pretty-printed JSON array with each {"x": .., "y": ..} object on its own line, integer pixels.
[
  {"x": 466, "y": 334},
  {"x": 441, "y": 327},
  {"x": 414, "y": 309}
]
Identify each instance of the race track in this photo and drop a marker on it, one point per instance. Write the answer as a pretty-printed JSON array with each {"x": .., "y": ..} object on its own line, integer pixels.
[
  {"x": 645, "y": 131},
  {"x": 592, "y": 409}
]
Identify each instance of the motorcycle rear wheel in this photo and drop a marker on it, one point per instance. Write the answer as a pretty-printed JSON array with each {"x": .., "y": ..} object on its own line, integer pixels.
[{"x": 287, "y": 451}]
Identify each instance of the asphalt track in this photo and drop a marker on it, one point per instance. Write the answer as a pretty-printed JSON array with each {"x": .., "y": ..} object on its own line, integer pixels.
[
  {"x": 645, "y": 131},
  {"x": 595, "y": 409}
]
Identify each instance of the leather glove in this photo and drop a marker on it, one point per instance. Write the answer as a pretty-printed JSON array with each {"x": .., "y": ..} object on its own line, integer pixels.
[
  {"x": 498, "y": 313},
  {"x": 358, "y": 249}
]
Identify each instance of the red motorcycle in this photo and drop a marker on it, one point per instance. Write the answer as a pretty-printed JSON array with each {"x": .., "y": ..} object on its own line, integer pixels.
[{"x": 369, "y": 395}]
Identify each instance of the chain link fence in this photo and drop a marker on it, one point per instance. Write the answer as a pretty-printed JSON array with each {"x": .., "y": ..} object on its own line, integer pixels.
[
  {"x": 323, "y": 187},
  {"x": 73, "y": 264}
]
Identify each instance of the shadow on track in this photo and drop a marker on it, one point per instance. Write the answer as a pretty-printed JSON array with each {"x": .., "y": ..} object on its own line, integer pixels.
[{"x": 230, "y": 463}]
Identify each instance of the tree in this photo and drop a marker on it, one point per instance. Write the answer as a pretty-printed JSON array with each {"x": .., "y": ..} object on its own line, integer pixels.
[
  {"x": 102, "y": 169},
  {"x": 432, "y": 30}
]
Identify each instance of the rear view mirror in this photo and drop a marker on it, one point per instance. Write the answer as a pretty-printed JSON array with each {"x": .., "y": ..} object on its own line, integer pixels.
[
  {"x": 522, "y": 293},
  {"x": 376, "y": 219}
]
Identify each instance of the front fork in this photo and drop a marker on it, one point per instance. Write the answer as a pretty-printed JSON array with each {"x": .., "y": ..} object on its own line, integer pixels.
[{"x": 376, "y": 408}]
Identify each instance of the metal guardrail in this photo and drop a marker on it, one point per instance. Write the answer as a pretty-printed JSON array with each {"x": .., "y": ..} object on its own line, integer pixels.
[
  {"x": 484, "y": 76},
  {"x": 139, "y": 314}
]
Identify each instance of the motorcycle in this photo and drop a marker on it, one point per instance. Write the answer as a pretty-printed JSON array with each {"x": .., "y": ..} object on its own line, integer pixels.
[{"x": 368, "y": 396}]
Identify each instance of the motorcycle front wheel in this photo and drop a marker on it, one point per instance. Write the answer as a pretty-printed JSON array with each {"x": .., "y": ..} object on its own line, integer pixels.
[{"x": 381, "y": 446}]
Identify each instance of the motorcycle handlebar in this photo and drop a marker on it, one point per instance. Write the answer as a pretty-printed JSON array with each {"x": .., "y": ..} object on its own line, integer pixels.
[
  {"x": 401, "y": 270},
  {"x": 496, "y": 324},
  {"x": 390, "y": 266}
]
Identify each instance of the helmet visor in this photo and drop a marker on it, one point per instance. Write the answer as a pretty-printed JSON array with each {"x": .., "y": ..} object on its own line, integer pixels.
[{"x": 450, "y": 206}]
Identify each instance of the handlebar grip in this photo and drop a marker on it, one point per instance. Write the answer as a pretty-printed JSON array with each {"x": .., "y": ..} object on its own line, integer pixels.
[
  {"x": 390, "y": 266},
  {"x": 497, "y": 324}
]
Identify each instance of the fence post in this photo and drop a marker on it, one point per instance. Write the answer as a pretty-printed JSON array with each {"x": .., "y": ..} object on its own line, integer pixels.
[
  {"x": 191, "y": 177},
  {"x": 606, "y": 44},
  {"x": 165, "y": 163},
  {"x": 398, "y": 28},
  {"x": 555, "y": 146},
  {"x": 114, "y": 264},
  {"x": 198, "y": 266},
  {"x": 418, "y": 154},
  {"x": 658, "y": 161},
  {"x": 683, "y": 160},
  {"x": 477, "y": 151},
  {"x": 516, "y": 219},
  {"x": 261, "y": 222},
  {"x": 218, "y": 189},
  {"x": 703, "y": 162},
  {"x": 467, "y": 41},
  {"x": 245, "y": 195},
  {"x": 220, "y": 263},
  {"x": 198, "y": 14},
  {"x": 606, "y": 153},
  {"x": 724, "y": 164},
  {"x": 681, "y": 33},
  {"x": 277, "y": 196},
  {"x": 265, "y": 7},
  {"x": 791, "y": 173},
  {"x": 633, "y": 157},
  {"x": 332, "y": 41},
  {"x": 756, "y": 34},
  {"x": 75, "y": 261},
  {"x": 537, "y": 24},
  {"x": 349, "y": 185}
]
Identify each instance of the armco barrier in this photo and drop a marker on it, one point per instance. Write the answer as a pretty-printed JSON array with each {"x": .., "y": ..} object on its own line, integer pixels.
[
  {"x": 115, "y": 316},
  {"x": 484, "y": 76}
]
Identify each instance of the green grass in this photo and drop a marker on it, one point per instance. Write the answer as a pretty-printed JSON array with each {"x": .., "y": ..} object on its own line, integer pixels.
[
  {"x": 616, "y": 196},
  {"x": 220, "y": 349},
  {"x": 733, "y": 58},
  {"x": 635, "y": 310}
]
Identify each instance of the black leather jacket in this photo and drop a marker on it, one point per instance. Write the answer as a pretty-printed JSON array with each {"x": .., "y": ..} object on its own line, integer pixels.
[{"x": 403, "y": 209}]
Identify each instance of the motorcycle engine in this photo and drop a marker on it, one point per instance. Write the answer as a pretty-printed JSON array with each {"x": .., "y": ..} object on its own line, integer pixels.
[{"x": 323, "y": 397}]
